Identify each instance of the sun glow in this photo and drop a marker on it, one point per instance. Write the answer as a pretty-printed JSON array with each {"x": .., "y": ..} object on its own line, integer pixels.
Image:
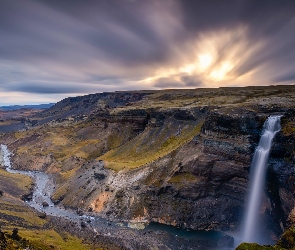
[
  {"x": 221, "y": 72},
  {"x": 189, "y": 68},
  {"x": 213, "y": 60},
  {"x": 205, "y": 61}
]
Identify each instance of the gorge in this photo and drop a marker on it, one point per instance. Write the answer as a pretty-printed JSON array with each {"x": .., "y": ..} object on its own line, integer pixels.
[{"x": 175, "y": 157}]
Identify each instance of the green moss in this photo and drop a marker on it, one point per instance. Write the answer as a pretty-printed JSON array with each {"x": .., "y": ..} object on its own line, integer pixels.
[
  {"x": 288, "y": 128},
  {"x": 149, "y": 146},
  {"x": 41, "y": 240},
  {"x": 287, "y": 240},
  {"x": 93, "y": 155},
  {"x": 60, "y": 192},
  {"x": 254, "y": 246},
  {"x": 114, "y": 140},
  {"x": 50, "y": 239},
  {"x": 60, "y": 141},
  {"x": 182, "y": 177},
  {"x": 27, "y": 215},
  {"x": 23, "y": 182}
]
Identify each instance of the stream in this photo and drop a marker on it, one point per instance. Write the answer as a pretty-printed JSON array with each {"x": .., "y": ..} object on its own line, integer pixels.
[
  {"x": 44, "y": 187},
  {"x": 43, "y": 190}
]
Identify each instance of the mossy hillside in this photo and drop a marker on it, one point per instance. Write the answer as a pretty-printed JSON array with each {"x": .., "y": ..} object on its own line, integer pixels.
[
  {"x": 21, "y": 183},
  {"x": 267, "y": 96},
  {"x": 288, "y": 127},
  {"x": 85, "y": 140},
  {"x": 41, "y": 240},
  {"x": 64, "y": 149},
  {"x": 31, "y": 229},
  {"x": 24, "y": 215},
  {"x": 286, "y": 242},
  {"x": 62, "y": 142},
  {"x": 50, "y": 239},
  {"x": 14, "y": 212},
  {"x": 152, "y": 144},
  {"x": 183, "y": 178},
  {"x": 254, "y": 246}
]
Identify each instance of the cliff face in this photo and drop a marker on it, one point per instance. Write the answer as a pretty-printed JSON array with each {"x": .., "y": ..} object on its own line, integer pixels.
[
  {"x": 201, "y": 184},
  {"x": 175, "y": 157}
]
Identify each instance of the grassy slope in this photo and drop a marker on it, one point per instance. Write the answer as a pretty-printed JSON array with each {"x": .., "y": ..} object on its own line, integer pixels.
[
  {"x": 267, "y": 95},
  {"x": 61, "y": 141},
  {"x": 43, "y": 240},
  {"x": 14, "y": 213},
  {"x": 20, "y": 183},
  {"x": 150, "y": 145},
  {"x": 286, "y": 242}
]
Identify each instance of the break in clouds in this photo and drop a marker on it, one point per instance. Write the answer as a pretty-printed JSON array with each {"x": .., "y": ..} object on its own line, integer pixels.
[{"x": 50, "y": 49}]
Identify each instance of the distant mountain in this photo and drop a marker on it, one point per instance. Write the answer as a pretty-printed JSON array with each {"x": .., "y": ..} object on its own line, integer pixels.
[{"x": 16, "y": 107}]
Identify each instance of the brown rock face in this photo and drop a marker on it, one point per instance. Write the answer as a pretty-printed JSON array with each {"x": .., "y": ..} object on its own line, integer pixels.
[{"x": 201, "y": 185}]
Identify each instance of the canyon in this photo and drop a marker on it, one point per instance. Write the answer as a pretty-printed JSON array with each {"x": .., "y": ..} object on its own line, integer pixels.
[{"x": 179, "y": 158}]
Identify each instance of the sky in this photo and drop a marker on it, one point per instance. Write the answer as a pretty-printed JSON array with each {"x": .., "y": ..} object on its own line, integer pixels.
[{"x": 52, "y": 49}]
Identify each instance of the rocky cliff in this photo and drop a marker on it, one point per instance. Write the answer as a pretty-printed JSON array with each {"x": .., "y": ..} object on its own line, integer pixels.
[{"x": 178, "y": 157}]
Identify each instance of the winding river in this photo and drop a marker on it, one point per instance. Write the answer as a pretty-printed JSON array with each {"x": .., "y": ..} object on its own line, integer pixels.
[{"x": 44, "y": 188}]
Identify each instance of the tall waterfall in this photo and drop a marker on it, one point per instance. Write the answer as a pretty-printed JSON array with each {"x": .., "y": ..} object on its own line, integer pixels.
[{"x": 251, "y": 230}]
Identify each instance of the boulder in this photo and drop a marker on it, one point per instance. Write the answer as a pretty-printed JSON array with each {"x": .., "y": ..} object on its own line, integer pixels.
[
  {"x": 42, "y": 215},
  {"x": 27, "y": 197},
  {"x": 45, "y": 204},
  {"x": 79, "y": 212}
]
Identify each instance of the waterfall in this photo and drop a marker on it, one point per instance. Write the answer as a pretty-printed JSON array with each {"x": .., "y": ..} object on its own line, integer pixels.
[{"x": 251, "y": 230}]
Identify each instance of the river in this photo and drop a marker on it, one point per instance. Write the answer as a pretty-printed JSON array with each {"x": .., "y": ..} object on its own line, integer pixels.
[{"x": 44, "y": 187}]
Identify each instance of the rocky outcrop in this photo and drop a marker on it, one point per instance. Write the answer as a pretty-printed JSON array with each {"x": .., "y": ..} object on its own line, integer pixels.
[{"x": 83, "y": 106}]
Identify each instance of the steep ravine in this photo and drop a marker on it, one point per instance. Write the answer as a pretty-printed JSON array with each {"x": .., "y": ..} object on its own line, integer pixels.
[
  {"x": 207, "y": 175},
  {"x": 108, "y": 234},
  {"x": 182, "y": 166}
]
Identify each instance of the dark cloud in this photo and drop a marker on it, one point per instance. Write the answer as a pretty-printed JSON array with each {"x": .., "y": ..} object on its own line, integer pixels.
[
  {"x": 90, "y": 46},
  {"x": 265, "y": 17},
  {"x": 178, "y": 81},
  {"x": 45, "y": 88},
  {"x": 191, "y": 81},
  {"x": 286, "y": 78},
  {"x": 211, "y": 14},
  {"x": 163, "y": 83}
]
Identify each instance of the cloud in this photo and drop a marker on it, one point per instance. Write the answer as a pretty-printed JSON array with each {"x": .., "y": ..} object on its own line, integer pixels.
[
  {"x": 286, "y": 78},
  {"x": 75, "y": 47}
]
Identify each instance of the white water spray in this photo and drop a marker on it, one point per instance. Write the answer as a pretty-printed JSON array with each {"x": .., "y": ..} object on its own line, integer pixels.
[{"x": 251, "y": 230}]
